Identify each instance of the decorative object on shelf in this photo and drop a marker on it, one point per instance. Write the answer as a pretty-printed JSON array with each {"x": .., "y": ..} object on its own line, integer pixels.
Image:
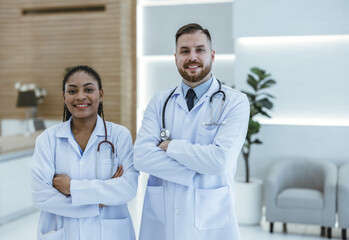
[
  {"x": 250, "y": 191},
  {"x": 29, "y": 96}
]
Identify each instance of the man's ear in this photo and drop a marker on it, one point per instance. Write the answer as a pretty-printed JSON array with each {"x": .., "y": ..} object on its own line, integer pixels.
[{"x": 213, "y": 55}]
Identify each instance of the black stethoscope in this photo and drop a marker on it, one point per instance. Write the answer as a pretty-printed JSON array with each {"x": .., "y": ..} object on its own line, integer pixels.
[
  {"x": 165, "y": 133},
  {"x": 112, "y": 151}
]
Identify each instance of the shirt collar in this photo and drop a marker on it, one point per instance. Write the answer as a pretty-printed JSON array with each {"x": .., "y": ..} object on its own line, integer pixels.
[
  {"x": 65, "y": 131},
  {"x": 199, "y": 90}
]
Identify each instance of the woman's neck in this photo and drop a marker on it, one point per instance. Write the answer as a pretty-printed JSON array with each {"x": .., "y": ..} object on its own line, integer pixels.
[{"x": 79, "y": 125}]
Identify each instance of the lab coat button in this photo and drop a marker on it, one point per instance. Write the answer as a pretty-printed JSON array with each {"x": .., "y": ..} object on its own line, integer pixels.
[
  {"x": 187, "y": 121},
  {"x": 177, "y": 211},
  {"x": 82, "y": 164}
]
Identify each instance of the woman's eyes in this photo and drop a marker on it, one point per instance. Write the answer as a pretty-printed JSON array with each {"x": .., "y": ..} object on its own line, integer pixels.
[
  {"x": 89, "y": 90},
  {"x": 73, "y": 91}
]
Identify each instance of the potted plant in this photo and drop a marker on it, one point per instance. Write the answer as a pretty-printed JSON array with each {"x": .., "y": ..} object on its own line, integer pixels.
[{"x": 249, "y": 197}]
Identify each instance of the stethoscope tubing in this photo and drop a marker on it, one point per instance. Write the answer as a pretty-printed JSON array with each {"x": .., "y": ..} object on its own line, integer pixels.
[
  {"x": 165, "y": 134},
  {"x": 98, "y": 148}
]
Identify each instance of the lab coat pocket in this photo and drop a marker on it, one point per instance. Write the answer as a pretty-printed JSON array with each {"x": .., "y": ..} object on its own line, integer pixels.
[
  {"x": 53, "y": 235},
  {"x": 115, "y": 229},
  {"x": 154, "y": 203},
  {"x": 108, "y": 167},
  {"x": 212, "y": 208},
  {"x": 205, "y": 136}
]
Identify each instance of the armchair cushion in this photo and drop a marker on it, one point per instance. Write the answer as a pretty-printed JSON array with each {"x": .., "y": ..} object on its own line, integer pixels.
[{"x": 300, "y": 198}]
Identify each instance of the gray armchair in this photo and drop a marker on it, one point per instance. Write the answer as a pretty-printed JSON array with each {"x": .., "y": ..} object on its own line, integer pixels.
[
  {"x": 302, "y": 191},
  {"x": 343, "y": 199}
]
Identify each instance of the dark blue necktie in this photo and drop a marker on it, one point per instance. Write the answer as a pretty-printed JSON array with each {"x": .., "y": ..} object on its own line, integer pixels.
[{"x": 190, "y": 98}]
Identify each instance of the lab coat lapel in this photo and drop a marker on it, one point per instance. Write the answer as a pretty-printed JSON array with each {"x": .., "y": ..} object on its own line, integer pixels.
[
  {"x": 180, "y": 99},
  {"x": 97, "y": 132},
  {"x": 213, "y": 88},
  {"x": 65, "y": 132}
]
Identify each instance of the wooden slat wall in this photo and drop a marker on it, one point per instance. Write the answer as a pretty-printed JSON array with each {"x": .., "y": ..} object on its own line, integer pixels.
[{"x": 38, "y": 48}]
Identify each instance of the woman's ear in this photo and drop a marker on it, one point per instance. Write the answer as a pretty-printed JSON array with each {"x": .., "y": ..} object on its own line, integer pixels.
[{"x": 101, "y": 94}]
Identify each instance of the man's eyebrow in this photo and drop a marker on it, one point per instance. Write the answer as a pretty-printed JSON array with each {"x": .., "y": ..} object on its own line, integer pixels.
[{"x": 199, "y": 46}]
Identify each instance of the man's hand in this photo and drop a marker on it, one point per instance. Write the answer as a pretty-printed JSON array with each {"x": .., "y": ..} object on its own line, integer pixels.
[
  {"x": 61, "y": 182},
  {"x": 164, "y": 144}
]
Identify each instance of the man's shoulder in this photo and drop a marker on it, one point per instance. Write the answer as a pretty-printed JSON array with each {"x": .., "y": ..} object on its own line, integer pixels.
[
  {"x": 233, "y": 93},
  {"x": 163, "y": 94}
]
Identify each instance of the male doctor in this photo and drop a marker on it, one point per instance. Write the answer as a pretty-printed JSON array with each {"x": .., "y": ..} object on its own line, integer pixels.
[{"x": 190, "y": 191}]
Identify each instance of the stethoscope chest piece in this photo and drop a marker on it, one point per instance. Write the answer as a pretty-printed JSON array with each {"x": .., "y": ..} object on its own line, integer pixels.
[{"x": 164, "y": 134}]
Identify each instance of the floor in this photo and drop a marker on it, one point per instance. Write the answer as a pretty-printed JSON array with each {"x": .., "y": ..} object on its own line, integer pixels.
[{"x": 25, "y": 228}]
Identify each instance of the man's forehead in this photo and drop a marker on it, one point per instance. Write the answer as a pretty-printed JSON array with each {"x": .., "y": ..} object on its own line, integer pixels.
[{"x": 196, "y": 39}]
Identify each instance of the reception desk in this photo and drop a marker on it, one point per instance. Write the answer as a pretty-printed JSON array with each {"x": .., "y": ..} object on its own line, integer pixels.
[{"x": 15, "y": 157}]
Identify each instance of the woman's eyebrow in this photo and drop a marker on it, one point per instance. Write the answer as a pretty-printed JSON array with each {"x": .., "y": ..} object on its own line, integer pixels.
[{"x": 86, "y": 84}]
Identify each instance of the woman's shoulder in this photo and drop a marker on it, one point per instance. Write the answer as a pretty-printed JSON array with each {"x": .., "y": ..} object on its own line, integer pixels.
[
  {"x": 53, "y": 130},
  {"x": 118, "y": 128}
]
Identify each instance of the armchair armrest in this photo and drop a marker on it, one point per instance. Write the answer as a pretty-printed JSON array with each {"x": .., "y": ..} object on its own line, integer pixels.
[
  {"x": 343, "y": 196},
  {"x": 275, "y": 182},
  {"x": 330, "y": 188}
]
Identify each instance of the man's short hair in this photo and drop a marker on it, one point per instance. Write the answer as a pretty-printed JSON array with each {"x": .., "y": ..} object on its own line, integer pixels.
[{"x": 192, "y": 28}]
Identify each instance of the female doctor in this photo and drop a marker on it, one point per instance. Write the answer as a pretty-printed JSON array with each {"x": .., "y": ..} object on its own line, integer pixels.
[{"x": 82, "y": 169}]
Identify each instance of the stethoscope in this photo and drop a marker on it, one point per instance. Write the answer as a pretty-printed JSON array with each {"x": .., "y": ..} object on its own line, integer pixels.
[
  {"x": 165, "y": 133},
  {"x": 112, "y": 151}
]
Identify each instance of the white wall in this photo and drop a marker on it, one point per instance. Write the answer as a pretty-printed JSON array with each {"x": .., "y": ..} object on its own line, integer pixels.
[
  {"x": 304, "y": 44},
  {"x": 158, "y": 24}
]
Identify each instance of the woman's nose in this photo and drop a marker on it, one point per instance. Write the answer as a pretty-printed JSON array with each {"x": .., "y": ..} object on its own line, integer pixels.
[{"x": 80, "y": 95}]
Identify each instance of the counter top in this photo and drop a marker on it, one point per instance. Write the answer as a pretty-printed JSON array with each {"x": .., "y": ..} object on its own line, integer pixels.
[{"x": 10, "y": 145}]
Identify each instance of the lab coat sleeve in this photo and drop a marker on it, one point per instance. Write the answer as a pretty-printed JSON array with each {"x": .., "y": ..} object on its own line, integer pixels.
[
  {"x": 45, "y": 196},
  {"x": 150, "y": 158},
  {"x": 115, "y": 191},
  {"x": 219, "y": 157}
]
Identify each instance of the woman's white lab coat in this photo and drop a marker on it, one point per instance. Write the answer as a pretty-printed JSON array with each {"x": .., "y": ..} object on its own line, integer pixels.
[
  {"x": 79, "y": 215},
  {"x": 190, "y": 192}
]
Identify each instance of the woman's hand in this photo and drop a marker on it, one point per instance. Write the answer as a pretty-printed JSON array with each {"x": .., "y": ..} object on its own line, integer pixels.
[
  {"x": 118, "y": 173},
  {"x": 61, "y": 182}
]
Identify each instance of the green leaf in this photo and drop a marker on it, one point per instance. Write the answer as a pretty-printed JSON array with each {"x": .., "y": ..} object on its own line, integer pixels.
[
  {"x": 252, "y": 82},
  {"x": 265, "y": 103},
  {"x": 259, "y": 72},
  {"x": 266, "y": 94},
  {"x": 265, "y": 114},
  {"x": 268, "y": 83},
  {"x": 251, "y": 96},
  {"x": 257, "y": 141},
  {"x": 253, "y": 127},
  {"x": 253, "y": 111}
]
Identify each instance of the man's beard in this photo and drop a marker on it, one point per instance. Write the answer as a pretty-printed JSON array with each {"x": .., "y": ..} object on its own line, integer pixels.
[{"x": 194, "y": 78}]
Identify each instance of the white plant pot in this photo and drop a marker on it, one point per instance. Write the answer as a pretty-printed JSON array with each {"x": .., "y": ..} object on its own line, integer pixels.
[{"x": 249, "y": 198}]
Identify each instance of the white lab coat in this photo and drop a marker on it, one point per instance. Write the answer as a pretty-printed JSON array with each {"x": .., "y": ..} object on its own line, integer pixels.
[
  {"x": 190, "y": 192},
  {"x": 79, "y": 215}
]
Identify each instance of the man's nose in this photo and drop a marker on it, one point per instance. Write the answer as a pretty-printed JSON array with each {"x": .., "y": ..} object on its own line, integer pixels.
[{"x": 193, "y": 56}]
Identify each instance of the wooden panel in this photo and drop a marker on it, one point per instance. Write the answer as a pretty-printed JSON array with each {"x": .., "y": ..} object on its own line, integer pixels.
[{"x": 38, "y": 48}]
